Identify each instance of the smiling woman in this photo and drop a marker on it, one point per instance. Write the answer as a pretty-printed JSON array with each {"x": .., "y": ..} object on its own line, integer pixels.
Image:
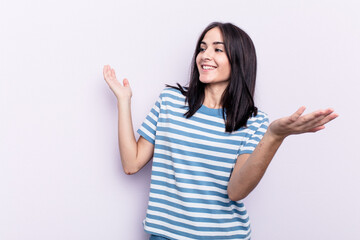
[
  {"x": 210, "y": 144},
  {"x": 223, "y": 74},
  {"x": 212, "y": 61}
]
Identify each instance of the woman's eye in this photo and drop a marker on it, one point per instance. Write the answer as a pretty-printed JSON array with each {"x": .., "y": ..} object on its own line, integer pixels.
[
  {"x": 218, "y": 50},
  {"x": 202, "y": 49}
]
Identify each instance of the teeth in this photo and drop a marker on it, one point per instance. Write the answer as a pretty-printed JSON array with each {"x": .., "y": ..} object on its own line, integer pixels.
[{"x": 208, "y": 67}]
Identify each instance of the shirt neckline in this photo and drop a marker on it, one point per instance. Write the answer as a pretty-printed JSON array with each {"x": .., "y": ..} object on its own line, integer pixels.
[{"x": 210, "y": 111}]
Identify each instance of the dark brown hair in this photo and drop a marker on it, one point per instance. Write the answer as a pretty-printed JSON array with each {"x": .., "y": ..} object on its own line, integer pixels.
[{"x": 237, "y": 100}]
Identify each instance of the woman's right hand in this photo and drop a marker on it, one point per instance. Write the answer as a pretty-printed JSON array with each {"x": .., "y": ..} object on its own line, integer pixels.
[{"x": 120, "y": 91}]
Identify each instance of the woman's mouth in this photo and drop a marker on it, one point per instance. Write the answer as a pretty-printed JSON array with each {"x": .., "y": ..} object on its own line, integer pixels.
[{"x": 208, "y": 67}]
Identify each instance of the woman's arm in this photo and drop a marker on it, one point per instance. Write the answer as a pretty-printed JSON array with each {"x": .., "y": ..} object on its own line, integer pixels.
[
  {"x": 134, "y": 155},
  {"x": 250, "y": 168}
]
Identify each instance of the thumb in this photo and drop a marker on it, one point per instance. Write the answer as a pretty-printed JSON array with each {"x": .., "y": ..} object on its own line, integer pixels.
[
  {"x": 126, "y": 83},
  {"x": 297, "y": 114}
]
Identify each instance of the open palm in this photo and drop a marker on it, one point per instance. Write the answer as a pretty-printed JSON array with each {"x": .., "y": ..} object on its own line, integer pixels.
[
  {"x": 120, "y": 91},
  {"x": 297, "y": 124}
]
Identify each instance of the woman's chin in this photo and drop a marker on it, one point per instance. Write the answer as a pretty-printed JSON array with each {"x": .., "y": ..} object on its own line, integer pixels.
[
  {"x": 213, "y": 81},
  {"x": 205, "y": 80}
]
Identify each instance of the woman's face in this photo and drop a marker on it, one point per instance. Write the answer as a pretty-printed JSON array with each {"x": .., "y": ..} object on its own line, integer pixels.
[{"x": 212, "y": 62}]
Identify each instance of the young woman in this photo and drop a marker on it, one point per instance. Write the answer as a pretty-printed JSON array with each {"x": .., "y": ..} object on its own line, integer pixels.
[{"x": 209, "y": 143}]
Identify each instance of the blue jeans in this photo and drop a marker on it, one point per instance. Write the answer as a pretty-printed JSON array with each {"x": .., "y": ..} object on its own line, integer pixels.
[{"x": 153, "y": 237}]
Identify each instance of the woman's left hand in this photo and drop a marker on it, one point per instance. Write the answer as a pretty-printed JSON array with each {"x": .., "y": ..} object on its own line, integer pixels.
[{"x": 297, "y": 124}]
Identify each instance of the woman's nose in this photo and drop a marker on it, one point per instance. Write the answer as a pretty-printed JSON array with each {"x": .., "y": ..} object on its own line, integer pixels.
[{"x": 207, "y": 55}]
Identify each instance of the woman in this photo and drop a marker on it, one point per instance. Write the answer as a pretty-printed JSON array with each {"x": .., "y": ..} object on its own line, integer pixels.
[{"x": 210, "y": 145}]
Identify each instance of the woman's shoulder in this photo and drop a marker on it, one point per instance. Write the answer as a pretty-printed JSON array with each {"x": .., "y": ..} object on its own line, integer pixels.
[
  {"x": 260, "y": 118},
  {"x": 261, "y": 114},
  {"x": 172, "y": 92}
]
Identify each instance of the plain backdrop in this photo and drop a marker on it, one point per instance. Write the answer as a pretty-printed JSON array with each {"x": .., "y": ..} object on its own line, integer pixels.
[{"x": 60, "y": 170}]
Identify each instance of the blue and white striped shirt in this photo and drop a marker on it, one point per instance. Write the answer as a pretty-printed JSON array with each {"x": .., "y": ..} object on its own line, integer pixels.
[{"x": 192, "y": 164}]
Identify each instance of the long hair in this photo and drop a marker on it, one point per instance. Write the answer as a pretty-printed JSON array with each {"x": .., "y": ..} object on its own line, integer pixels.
[{"x": 237, "y": 100}]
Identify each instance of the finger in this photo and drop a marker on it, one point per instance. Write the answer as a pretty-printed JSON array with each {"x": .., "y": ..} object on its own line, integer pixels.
[
  {"x": 312, "y": 118},
  {"x": 126, "y": 82},
  {"x": 113, "y": 76},
  {"x": 317, "y": 128},
  {"x": 318, "y": 124},
  {"x": 295, "y": 116},
  {"x": 329, "y": 111},
  {"x": 104, "y": 70},
  {"x": 329, "y": 118},
  {"x": 107, "y": 72},
  {"x": 326, "y": 113},
  {"x": 316, "y": 117}
]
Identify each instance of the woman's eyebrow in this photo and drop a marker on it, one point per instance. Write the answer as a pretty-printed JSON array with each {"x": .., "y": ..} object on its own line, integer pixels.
[{"x": 214, "y": 43}]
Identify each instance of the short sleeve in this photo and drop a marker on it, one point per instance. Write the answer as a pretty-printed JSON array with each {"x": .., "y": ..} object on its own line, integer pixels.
[
  {"x": 148, "y": 128},
  {"x": 257, "y": 127}
]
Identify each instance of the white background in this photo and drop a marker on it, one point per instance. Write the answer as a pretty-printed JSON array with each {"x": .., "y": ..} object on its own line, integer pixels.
[{"x": 60, "y": 171}]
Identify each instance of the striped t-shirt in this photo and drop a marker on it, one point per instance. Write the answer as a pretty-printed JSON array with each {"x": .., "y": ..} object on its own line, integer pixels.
[{"x": 192, "y": 164}]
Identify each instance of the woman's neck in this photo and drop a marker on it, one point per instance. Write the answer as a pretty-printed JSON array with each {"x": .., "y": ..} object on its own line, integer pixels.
[{"x": 213, "y": 93}]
